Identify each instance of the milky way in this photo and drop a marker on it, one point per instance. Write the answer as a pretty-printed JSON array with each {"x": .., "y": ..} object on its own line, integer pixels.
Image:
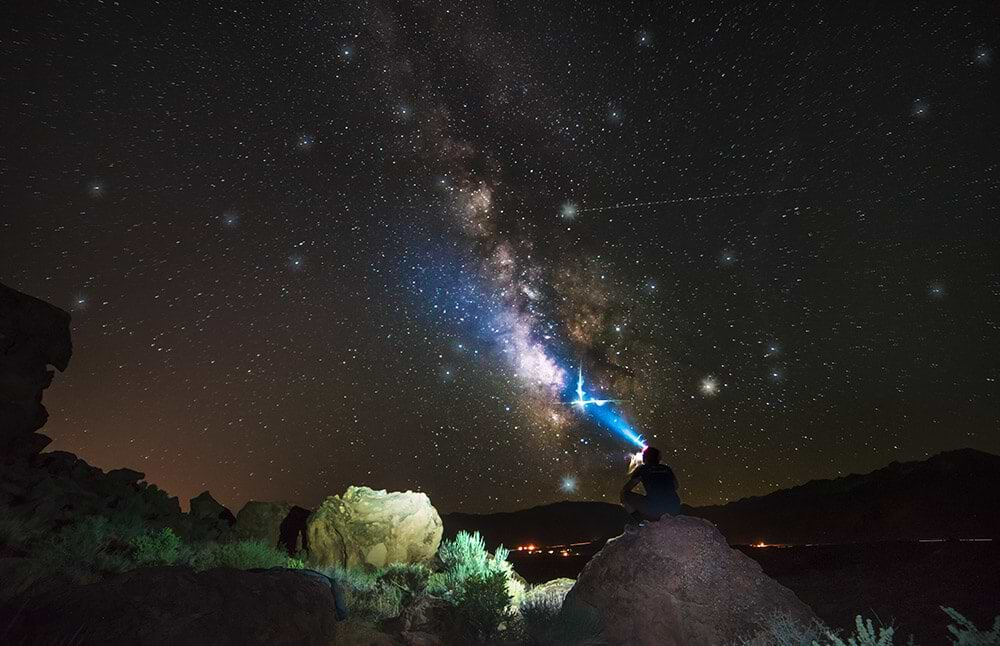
[{"x": 307, "y": 245}]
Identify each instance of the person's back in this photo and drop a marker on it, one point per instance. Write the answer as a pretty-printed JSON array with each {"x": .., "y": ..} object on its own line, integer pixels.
[{"x": 660, "y": 484}]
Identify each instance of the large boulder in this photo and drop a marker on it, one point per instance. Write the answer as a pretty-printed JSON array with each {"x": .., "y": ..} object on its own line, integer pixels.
[
  {"x": 175, "y": 605},
  {"x": 259, "y": 520},
  {"x": 368, "y": 528},
  {"x": 677, "y": 582}
]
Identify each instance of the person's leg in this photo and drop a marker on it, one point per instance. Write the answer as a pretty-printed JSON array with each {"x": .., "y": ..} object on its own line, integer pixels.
[{"x": 631, "y": 501}]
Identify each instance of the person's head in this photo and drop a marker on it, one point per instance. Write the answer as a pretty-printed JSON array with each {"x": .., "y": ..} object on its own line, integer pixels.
[{"x": 651, "y": 455}]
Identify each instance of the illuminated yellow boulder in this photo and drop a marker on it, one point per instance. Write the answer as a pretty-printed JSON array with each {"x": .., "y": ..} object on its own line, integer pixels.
[{"x": 369, "y": 528}]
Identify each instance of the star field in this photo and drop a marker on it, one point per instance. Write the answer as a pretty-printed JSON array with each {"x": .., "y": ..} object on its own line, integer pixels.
[{"x": 307, "y": 245}]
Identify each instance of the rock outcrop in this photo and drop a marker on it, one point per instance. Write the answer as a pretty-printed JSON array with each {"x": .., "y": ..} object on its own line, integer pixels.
[
  {"x": 50, "y": 490},
  {"x": 33, "y": 336},
  {"x": 368, "y": 528},
  {"x": 175, "y": 605},
  {"x": 261, "y": 521},
  {"x": 210, "y": 520},
  {"x": 677, "y": 582}
]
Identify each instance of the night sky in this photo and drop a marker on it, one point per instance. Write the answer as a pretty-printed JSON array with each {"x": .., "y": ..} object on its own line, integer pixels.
[{"x": 313, "y": 244}]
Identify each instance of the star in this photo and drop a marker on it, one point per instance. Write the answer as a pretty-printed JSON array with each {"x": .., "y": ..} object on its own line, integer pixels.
[
  {"x": 709, "y": 386},
  {"x": 983, "y": 56},
  {"x": 568, "y": 211},
  {"x": 568, "y": 484}
]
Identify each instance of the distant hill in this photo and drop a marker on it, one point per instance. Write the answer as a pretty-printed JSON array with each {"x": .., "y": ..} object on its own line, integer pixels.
[
  {"x": 955, "y": 494},
  {"x": 554, "y": 524}
]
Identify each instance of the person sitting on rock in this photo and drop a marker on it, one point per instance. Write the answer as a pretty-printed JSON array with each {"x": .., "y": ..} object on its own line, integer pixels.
[{"x": 661, "y": 490}]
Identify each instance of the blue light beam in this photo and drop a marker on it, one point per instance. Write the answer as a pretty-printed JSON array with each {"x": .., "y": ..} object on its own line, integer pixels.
[{"x": 605, "y": 415}]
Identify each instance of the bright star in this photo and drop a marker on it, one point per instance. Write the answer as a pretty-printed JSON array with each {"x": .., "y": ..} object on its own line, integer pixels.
[
  {"x": 568, "y": 484},
  {"x": 582, "y": 400},
  {"x": 568, "y": 211},
  {"x": 709, "y": 386}
]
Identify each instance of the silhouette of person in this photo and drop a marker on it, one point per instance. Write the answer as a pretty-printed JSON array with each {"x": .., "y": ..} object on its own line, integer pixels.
[{"x": 660, "y": 484}]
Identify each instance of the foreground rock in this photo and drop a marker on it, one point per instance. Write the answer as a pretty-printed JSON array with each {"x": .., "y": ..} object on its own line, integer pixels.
[
  {"x": 173, "y": 605},
  {"x": 368, "y": 528},
  {"x": 678, "y": 583}
]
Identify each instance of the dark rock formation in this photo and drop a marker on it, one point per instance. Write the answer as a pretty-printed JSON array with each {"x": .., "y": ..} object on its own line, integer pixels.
[
  {"x": 174, "y": 605},
  {"x": 261, "y": 520},
  {"x": 51, "y": 490},
  {"x": 292, "y": 533},
  {"x": 33, "y": 336},
  {"x": 206, "y": 507},
  {"x": 677, "y": 582}
]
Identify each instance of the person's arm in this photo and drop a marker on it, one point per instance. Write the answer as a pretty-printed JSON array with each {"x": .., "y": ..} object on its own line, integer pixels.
[{"x": 631, "y": 484}]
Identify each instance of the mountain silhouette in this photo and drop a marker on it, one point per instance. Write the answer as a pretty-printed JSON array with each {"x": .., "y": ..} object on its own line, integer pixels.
[{"x": 952, "y": 495}]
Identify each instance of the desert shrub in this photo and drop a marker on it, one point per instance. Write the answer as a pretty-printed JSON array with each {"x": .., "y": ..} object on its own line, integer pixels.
[
  {"x": 15, "y": 533},
  {"x": 242, "y": 555},
  {"x": 546, "y": 622},
  {"x": 865, "y": 635},
  {"x": 965, "y": 632},
  {"x": 365, "y": 596},
  {"x": 780, "y": 629},
  {"x": 410, "y": 578},
  {"x": 464, "y": 558},
  {"x": 484, "y": 604},
  {"x": 157, "y": 548},
  {"x": 92, "y": 548}
]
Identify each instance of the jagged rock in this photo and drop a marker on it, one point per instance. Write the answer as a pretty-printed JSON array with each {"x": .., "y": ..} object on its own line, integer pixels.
[
  {"x": 261, "y": 521},
  {"x": 206, "y": 507},
  {"x": 175, "y": 605},
  {"x": 677, "y": 582},
  {"x": 33, "y": 336},
  {"x": 368, "y": 528},
  {"x": 125, "y": 476}
]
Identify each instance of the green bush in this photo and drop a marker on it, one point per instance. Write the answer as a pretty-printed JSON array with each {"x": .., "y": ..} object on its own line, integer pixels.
[
  {"x": 157, "y": 548},
  {"x": 865, "y": 635},
  {"x": 242, "y": 555},
  {"x": 966, "y": 633},
  {"x": 464, "y": 558},
  {"x": 484, "y": 604},
  {"x": 16, "y": 533},
  {"x": 546, "y": 622},
  {"x": 410, "y": 579},
  {"x": 365, "y": 596},
  {"x": 92, "y": 548},
  {"x": 779, "y": 629}
]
